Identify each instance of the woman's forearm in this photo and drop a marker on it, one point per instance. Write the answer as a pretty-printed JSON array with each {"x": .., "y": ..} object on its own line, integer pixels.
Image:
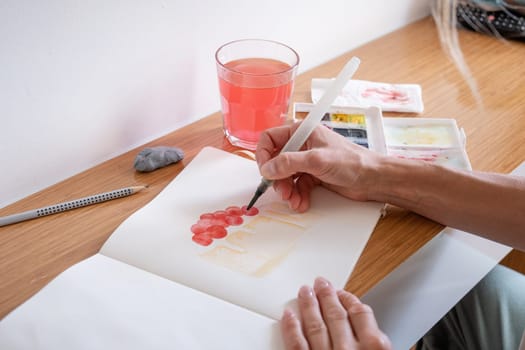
[{"x": 490, "y": 205}]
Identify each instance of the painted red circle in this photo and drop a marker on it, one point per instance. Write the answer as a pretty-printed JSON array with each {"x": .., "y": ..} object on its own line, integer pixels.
[
  {"x": 202, "y": 239},
  {"x": 252, "y": 212}
]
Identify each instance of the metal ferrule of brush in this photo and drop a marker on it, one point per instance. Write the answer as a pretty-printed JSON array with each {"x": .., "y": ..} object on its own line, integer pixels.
[{"x": 263, "y": 186}]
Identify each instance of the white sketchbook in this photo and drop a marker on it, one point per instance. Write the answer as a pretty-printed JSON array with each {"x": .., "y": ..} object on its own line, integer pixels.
[{"x": 160, "y": 283}]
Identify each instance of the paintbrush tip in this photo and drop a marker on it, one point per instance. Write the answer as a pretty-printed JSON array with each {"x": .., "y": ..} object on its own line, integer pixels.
[{"x": 255, "y": 197}]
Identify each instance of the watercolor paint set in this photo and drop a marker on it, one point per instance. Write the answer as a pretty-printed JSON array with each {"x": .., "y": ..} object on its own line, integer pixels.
[
  {"x": 363, "y": 126},
  {"x": 436, "y": 140}
]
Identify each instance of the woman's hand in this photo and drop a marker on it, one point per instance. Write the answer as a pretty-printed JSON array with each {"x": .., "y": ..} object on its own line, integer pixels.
[
  {"x": 326, "y": 159},
  {"x": 331, "y": 320}
]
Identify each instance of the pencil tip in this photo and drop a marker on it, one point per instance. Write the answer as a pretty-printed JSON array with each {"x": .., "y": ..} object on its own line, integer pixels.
[{"x": 139, "y": 188}]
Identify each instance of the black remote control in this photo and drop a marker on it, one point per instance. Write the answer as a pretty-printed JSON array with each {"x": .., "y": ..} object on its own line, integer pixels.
[{"x": 503, "y": 23}]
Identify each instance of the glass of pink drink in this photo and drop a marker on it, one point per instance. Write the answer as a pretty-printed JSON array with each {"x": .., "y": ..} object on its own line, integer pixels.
[{"x": 256, "y": 79}]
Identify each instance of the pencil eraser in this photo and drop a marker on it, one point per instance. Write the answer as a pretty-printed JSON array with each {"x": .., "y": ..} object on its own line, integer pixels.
[{"x": 150, "y": 159}]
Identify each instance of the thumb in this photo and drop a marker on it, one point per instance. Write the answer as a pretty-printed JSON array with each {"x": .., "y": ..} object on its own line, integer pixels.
[{"x": 285, "y": 165}]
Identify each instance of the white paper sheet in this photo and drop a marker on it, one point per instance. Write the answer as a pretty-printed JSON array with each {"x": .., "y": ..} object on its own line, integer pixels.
[
  {"x": 262, "y": 263},
  {"x": 411, "y": 299},
  {"x": 101, "y": 303}
]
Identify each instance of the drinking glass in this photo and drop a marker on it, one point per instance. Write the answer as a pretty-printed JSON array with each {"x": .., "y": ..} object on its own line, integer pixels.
[{"x": 256, "y": 80}]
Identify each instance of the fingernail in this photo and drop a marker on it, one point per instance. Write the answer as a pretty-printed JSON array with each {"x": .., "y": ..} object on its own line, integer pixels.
[
  {"x": 320, "y": 282},
  {"x": 287, "y": 313},
  {"x": 306, "y": 292}
]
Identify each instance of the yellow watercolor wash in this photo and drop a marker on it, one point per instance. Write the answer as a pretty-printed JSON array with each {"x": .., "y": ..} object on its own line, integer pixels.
[
  {"x": 263, "y": 223},
  {"x": 244, "y": 262},
  {"x": 431, "y": 135},
  {"x": 281, "y": 211},
  {"x": 271, "y": 238}
]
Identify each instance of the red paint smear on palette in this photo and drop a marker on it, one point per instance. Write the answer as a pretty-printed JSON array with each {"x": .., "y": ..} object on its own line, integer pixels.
[{"x": 212, "y": 226}]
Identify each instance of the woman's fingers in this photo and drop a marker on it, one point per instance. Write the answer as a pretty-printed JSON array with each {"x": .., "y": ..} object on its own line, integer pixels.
[
  {"x": 292, "y": 332},
  {"x": 334, "y": 315},
  {"x": 360, "y": 314},
  {"x": 363, "y": 322},
  {"x": 314, "y": 327},
  {"x": 271, "y": 142},
  {"x": 331, "y": 320}
]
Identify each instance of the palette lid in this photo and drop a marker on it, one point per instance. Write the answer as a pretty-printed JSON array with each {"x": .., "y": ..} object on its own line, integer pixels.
[{"x": 406, "y": 98}]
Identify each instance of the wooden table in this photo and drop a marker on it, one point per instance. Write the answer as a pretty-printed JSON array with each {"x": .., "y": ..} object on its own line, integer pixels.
[{"x": 34, "y": 252}]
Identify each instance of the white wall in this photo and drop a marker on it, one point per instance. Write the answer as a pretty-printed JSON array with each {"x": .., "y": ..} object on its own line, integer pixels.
[{"x": 84, "y": 81}]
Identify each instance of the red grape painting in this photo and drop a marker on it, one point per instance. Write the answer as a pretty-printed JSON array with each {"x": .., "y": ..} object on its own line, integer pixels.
[{"x": 214, "y": 225}]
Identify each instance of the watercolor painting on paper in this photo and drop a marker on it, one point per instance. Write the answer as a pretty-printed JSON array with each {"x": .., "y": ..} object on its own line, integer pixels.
[
  {"x": 255, "y": 245},
  {"x": 197, "y": 233}
]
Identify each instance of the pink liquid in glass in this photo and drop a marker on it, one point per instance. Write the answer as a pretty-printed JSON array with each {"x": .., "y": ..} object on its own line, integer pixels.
[{"x": 254, "y": 97}]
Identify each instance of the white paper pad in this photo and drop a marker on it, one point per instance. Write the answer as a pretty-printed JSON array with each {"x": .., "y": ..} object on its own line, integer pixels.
[{"x": 101, "y": 303}]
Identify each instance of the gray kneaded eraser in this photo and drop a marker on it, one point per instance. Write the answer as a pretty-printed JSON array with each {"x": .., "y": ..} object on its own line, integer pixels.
[{"x": 153, "y": 158}]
